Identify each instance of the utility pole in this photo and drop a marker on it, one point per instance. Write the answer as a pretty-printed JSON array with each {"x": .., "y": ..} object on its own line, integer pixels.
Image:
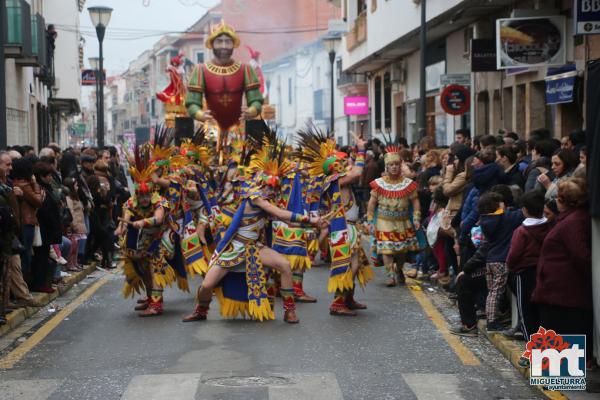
[
  {"x": 3, "y": 126},
  {"x": 421, "y": 121}
]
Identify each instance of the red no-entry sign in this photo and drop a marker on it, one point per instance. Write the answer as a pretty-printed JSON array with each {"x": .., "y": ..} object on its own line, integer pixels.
[{"x": 455, "y": 99}]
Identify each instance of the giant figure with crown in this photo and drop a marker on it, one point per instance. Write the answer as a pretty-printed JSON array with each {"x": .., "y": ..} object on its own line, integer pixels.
[{"x": 222, "y": 83}]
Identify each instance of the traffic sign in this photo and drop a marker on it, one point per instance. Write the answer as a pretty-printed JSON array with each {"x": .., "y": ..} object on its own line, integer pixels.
[{"x": 455, "y": 99}]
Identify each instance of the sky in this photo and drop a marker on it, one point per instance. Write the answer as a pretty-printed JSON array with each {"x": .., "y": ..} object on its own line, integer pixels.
[{"x": 135, "y": 26}]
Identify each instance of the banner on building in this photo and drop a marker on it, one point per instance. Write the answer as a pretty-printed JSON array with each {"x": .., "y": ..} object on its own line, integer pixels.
[
  {"x": 560, "y": 84},
  {"x": 586, "y": 15},
  {"x": 356, "y": 105},
  {"x": 88, "y": 77},
  {"x": 483, "y": 55},
  {"x": 530, "y": 42}
]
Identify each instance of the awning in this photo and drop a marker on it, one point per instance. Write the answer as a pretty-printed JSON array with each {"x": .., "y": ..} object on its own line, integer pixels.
[
  {"x": 560, "y": 84},
  {"x": 66, "y": 106}
]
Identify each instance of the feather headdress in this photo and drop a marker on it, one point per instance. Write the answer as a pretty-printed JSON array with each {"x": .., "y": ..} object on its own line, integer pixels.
[
  {"x": 318, "y": 150},
  {"x": 161, "y": 145},
  {"x": 269, "y": 161},
  {"x": 141, "y": 169}
]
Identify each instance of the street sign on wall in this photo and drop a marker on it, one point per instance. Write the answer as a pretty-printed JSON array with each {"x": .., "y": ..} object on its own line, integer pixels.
[
  {"x": 455, "y": 79},
  {"x": 586, "y": 15},
  {"x": 455, "y": 99}
]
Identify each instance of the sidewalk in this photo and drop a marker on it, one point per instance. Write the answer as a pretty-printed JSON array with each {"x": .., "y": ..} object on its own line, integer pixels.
[
  {"x": 513, "y": 349},
  {"x": 16, "y": 317}
]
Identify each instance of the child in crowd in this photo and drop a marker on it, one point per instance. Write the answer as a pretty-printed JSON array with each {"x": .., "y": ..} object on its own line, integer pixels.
[
  {"x": 497, "y": 224},
  {"x": 523, "y": 257},
  {"x": 438, "y": 232},
  {"x": 77, "y": 231}
]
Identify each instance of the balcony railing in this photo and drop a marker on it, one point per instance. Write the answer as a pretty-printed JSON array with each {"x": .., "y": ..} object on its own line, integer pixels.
[
  {"x": 350, "y": 79},
  {"x": 17, "y": 29},
  {"x": 38, "y": 56}
]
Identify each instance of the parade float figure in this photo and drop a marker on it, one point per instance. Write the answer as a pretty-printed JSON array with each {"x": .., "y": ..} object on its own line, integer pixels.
[
  {"x": 332, "y": 180},
  {"x": 142, "y": 227},
  {"x": 393, "y": 196},
  {"x": 175, "y": 92},
  {"x": 223, "y": 82},
  {"x": 241, "y": 248}
]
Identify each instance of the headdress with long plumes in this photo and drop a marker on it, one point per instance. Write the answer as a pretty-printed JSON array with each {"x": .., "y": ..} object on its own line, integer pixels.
[
  {"x": 141, "y": 169},
  {"x": 269, "y": 161},
  {"x": 318, "y": 150},
  {"x": 161, "y": 146},
  {"x": 222, "y": 29},
  {"x": 392, "y": 150},
  {"x": 196, "y": 148}
]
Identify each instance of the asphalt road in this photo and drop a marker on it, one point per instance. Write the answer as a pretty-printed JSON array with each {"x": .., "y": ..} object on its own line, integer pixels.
[{"x": 103, "y": 350}]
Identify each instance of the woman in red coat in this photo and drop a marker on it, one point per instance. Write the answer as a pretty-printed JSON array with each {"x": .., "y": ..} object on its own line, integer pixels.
[{"x": 564, "y": 277}]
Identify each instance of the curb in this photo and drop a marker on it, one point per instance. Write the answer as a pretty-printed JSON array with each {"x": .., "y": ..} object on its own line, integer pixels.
[
  {"x": 512, "y": 350},
  {"x": 16, "y": 317}
]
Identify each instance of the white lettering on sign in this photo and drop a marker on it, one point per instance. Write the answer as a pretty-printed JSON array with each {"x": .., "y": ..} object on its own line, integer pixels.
[{"x": 590, "y": 5}]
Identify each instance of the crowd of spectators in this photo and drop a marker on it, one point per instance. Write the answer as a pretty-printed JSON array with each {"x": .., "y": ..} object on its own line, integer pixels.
[
  {"x": 57, "y": 213},
  {"x": 504, "y": 218}
]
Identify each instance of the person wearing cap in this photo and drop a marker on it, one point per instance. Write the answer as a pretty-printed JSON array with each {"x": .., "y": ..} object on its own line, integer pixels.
[{"x": 222, "y": 82}]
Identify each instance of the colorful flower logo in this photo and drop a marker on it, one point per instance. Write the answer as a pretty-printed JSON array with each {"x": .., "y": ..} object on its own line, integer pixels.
[{"x": 545, "y": 339}]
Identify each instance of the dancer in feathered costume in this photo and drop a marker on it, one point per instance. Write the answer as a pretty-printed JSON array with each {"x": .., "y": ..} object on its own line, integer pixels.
[
  {"x": 332, "y": 180},
  {"x": 241, "y": 248},
  {"x": 388, "y": 215},
  {"x": 291, "y": 240},
  {"x": 142, "y": 227}
]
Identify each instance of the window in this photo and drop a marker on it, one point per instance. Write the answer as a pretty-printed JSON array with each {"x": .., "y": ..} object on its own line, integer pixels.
[
  {"x": 318, "y": 78},
  {"x": 289, "y": 90},
  {"x": 387, "y": 101},
  {"x": 200, "y": 57},
  {"x": 377, "y": 91}
]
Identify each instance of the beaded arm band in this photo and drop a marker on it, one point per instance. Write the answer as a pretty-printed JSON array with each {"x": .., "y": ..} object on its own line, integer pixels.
[
  {"x": 360, "y": 158},
  {"x": 299, "y": 218}
]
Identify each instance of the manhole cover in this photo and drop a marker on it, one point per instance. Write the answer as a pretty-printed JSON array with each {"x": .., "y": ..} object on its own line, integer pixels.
[{"x": 249, "y": 381}]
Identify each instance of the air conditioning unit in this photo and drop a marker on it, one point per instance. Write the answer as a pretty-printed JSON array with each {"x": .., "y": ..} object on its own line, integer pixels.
[{"x": 398, "y": 73}]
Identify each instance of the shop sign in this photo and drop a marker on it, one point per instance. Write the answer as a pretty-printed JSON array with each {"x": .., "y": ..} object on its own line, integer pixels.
[
  {"x": 356, "y": 105},
  {"x": 586, "y": 15},
  {"x": 530, "y": 42}
]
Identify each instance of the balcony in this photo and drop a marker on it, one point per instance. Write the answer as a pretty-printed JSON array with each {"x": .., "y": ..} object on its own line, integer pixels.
[
  {"x": 38, "y": 56},
  {"x": 17, "y": 29},
  {"x": 358, "y": 32}
]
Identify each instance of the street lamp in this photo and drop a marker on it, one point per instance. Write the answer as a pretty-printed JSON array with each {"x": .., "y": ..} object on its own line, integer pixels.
[
  {"x": 100, "y": 17},
  {"x": 330, "y": 42},
  {"x": 94, "y": 63}
]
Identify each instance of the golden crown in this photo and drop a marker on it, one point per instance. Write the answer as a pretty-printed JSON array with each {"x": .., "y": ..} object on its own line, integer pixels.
[{"x": 222, "y": 29}]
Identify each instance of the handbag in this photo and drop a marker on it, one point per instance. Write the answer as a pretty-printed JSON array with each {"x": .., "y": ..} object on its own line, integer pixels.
[
  {"x": 37, "y": 236},
  {"x": 66, "y": 218}
]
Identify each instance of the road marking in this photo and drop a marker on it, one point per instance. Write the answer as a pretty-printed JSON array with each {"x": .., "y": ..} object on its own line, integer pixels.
[
  {"x": 159, "y": 387},
  {"x": 466, "y": 356},
  {"x": 17, "y": 354},
  {"x": 433, "y": 386},
  {"x": 35, "y": 389},
  {"x": 308, "y": 387}
]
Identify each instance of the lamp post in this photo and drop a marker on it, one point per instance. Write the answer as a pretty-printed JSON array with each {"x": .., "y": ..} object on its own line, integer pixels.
[
  {"x": 100, "y": 17},
  {"x": 422, "y": 128},
  {"x": 94, "y": 63},
  {"x": 330, "y": 41},
  {"x": 3, "y": 133}
]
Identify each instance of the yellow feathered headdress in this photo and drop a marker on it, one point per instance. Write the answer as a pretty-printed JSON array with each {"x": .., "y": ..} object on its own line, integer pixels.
[
  {"x": 318, "y": 150},
  {"x": 269, "y": 162},
  {"x": 161, "y": 146},
  {"x": 141, "y": 169},
  {"x": 222, "y": 29}
]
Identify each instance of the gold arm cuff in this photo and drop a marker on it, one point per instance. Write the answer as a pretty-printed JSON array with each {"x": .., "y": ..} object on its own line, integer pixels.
[{"x": 199, "y": 116}]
